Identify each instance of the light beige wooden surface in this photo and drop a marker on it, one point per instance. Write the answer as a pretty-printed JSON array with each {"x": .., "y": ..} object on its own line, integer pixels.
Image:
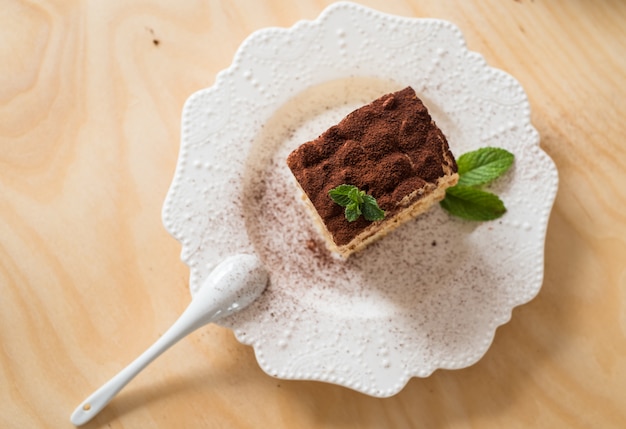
[{"x": 90, "y": 100}]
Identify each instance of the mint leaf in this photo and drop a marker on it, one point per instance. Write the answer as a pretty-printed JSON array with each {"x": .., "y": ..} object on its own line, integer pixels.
[
  {"x": 356, "y": 202},
  {"x": 473, "y": 204},
  {"x": 370, "y": 209},
  {"x": 356, "y": 196},
  {"x": 341, "y": 194},
  {"x": 352, "y": 212},
  {"x": 482, "y": 166}
]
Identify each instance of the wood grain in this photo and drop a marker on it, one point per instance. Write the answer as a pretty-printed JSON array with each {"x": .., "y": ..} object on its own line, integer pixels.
[{"x": 90, "y": 100}]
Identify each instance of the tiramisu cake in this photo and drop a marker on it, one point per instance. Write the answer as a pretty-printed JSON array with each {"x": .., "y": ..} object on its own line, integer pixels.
[{"x": 390, "y": 150}]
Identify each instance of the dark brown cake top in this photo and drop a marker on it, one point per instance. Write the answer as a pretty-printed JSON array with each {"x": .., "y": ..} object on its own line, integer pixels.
[{"x": 388, "y": 148}]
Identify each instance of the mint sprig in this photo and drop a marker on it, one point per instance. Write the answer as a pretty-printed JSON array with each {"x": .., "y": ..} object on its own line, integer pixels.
[
  {"x": 477, "y": 168},
  {"x": 357, "y": 203}
]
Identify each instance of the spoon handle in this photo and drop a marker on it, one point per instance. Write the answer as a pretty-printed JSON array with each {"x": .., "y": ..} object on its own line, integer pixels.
[
  {"x": 91, "y": 406},
  {"x": 233, "y": 285}
]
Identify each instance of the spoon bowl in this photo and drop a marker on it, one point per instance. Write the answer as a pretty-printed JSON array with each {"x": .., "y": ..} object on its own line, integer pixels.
[{"x": 233, "y": 285}]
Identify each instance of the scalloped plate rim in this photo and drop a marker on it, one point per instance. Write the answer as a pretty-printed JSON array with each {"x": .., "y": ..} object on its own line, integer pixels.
[{"x": 221, "y": 79}]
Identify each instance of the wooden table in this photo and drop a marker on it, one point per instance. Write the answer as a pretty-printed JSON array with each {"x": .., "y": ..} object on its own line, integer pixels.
[{"x": 90, "y": 101}]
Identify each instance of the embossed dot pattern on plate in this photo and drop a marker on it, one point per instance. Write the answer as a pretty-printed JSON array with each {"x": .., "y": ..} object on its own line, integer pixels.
[{"x": 404, "y": 307}]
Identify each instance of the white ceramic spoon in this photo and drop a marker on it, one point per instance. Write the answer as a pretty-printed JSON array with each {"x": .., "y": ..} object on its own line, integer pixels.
[{"x": 232, "y": 285}]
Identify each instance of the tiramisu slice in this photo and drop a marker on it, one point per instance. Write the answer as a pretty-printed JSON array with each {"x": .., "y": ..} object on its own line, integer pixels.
[{"x": 390, "y": 149}]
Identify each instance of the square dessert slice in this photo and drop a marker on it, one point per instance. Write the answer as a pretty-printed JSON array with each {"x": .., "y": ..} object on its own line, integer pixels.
[{"x": 392, "y": 150}]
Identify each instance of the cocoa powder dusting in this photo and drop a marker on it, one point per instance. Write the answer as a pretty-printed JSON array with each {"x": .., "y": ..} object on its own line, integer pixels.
[{"x": 388, "y": 148}]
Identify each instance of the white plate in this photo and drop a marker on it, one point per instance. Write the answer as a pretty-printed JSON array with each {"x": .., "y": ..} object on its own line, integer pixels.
[{"x": 428, "y": 296}]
